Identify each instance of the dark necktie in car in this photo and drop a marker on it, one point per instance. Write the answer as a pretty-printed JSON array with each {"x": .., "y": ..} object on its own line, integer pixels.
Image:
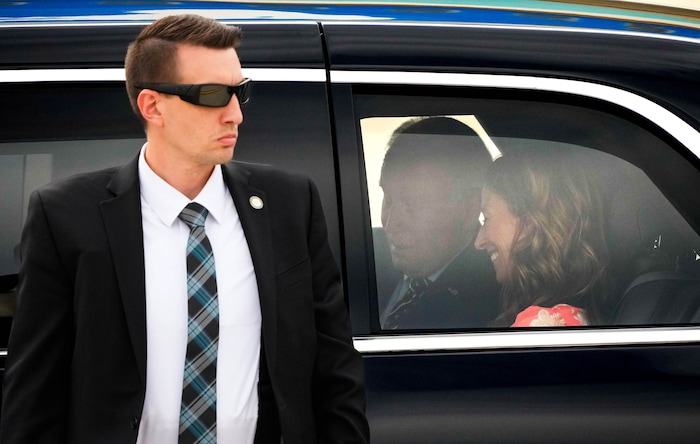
[{"x": 416, "y": 289}]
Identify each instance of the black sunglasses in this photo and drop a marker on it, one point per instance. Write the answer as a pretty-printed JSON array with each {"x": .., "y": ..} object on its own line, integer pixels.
[{"x": 210, "y": 94}]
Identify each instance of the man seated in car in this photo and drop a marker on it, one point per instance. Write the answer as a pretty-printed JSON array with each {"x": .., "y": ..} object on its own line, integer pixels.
[{"x": 431, "y": 177}]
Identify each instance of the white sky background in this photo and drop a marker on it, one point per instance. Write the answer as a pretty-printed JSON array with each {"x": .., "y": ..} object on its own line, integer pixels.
[{"x": 688, "y": 4}]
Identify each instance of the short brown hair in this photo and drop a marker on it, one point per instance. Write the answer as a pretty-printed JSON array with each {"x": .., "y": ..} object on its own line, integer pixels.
[
  {"x": 447, "y": 143},
  {"x": 151, "y": 58}
]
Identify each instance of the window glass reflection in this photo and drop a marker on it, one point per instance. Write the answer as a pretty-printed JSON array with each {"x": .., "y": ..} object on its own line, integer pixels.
[
  {"x": 430, "y": 177},
  {"x": 550, "y": 234},
  {"x": 26, "y": 166}
]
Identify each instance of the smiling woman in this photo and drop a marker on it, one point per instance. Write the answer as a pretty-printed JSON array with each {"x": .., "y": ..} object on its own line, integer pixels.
[{"x": 543, "y": 229}]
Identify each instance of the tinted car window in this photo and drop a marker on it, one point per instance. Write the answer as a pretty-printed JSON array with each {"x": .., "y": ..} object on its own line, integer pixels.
[
  {"x": 636, "y": 266},
  {"x": 58, "y": 129},
  {"x": 54, "y": 131}
]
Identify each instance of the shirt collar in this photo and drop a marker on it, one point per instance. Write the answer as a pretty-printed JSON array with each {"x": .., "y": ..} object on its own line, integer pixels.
[
  {"x": 433, "y": 277},
  {"x": 167, "y": 202}
]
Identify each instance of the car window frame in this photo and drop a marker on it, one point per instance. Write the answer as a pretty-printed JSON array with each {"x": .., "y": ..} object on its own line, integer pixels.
[
  {"x": 343, "y": 80},
  {"x": 116, "y": 76}
]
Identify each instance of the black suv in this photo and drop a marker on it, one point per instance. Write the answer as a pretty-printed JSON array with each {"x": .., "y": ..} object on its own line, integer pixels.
[{"x": 331, "y": 84}]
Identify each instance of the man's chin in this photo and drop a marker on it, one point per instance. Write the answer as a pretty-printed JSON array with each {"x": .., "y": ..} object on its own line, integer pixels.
[
  {"x": 408, "y": 268},
  {"x": 226, "y": 155}
]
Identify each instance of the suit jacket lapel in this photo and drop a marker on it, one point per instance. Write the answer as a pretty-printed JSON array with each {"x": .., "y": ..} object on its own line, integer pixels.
[
  {"x": 257, "y": 228},
  {"x": 122, "y": 220}
]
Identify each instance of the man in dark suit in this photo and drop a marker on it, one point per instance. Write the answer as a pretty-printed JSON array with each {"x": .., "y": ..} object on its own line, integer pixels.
[
  {"x": 111, "y": 268},
  {"x": 431, "y": 178}
]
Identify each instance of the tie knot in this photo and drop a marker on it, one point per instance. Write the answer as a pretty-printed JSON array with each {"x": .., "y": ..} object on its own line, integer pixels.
[
  {"x": 194, "y": 215},
  {"x": 418, "y": 285}
]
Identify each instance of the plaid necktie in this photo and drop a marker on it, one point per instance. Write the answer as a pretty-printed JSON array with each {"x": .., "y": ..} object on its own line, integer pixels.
[
  {"x": 198, "y": 410},
  {"x": 416, "y": 289}
]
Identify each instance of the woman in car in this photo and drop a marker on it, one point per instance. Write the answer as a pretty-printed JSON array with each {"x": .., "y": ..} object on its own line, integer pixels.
[{"x": 543, "y": 231}]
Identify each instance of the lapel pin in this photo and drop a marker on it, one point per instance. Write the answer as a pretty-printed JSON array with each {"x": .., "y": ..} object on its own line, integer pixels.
[{"x": 256, "y": 202}]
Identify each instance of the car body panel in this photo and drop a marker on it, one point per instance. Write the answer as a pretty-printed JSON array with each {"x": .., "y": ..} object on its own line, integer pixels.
[{"x": 319, "y": 69}]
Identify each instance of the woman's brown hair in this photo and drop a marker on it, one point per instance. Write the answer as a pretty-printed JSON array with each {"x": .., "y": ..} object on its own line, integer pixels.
[{"x": 559, "y": 253}]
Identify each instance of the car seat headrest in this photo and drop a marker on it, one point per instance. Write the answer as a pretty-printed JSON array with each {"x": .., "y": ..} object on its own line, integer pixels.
[{"x": 645, "y": 231}]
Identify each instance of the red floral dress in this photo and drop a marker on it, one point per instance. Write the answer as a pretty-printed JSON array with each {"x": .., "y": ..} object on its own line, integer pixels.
[{"x": 561, "y": 315}]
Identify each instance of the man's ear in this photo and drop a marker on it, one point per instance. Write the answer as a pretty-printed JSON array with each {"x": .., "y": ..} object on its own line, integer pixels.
[{"x": 149, "y": 102}]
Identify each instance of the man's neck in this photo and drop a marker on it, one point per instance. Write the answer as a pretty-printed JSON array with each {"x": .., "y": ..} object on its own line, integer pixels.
[{"x": 186, "y": 178}]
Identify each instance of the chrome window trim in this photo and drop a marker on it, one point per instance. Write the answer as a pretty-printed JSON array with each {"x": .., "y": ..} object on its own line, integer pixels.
[
  {"x": 519, "y": 340},
  {"x": 665, "y": 119},
  {"x": 117, "y": 75},
  {"x": 62, "y": 75},
  {"x": 531, "y": 339},
  {"x": 286, "y": 74},
  {"x": 101, "y": 21}
]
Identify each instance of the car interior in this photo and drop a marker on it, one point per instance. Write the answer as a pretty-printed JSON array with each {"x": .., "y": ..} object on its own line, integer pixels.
[{"x": 654, "y": 272}]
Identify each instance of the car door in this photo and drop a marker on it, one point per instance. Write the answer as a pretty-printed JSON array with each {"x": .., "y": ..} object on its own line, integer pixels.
[{"x": 626, "y": 116}]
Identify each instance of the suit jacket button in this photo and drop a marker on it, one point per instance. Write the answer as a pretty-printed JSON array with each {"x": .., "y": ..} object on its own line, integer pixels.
[{"x": 134, "y": 423}]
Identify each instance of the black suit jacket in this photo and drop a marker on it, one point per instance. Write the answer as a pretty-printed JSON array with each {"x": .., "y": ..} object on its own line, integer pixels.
[
  {"x": 465, "y": 295},
  {"x": 76, "y": 370}
]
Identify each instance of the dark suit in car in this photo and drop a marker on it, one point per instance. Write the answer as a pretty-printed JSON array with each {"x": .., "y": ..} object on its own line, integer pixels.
[{"x": 464, "y": 295}]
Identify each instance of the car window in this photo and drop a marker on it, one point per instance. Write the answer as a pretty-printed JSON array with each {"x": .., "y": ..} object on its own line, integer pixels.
[
  {"x": 60, "y": 128},
  {"x": 25, "y": 167},
  {"x": 54, "y": 131},
  {"x": 576, "y": 221}
]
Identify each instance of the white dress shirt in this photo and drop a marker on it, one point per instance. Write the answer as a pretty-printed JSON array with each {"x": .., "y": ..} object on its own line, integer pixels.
[{"x": 165, "y": 239}]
